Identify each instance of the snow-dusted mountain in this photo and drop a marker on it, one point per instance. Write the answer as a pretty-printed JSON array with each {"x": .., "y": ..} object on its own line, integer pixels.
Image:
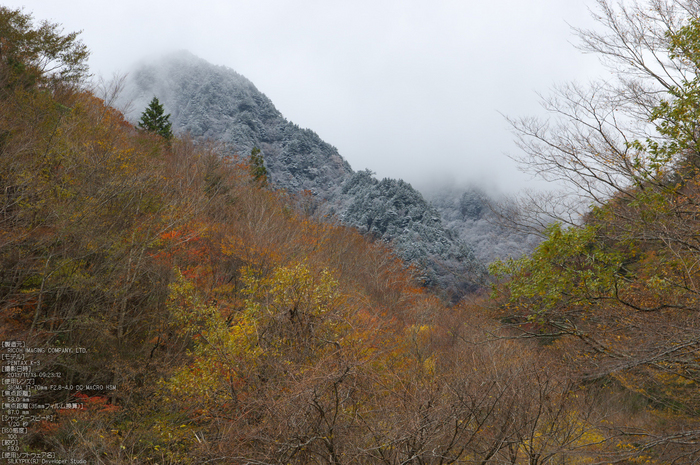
[
  {"x": 468, "y": 212},
  {"x": 215, "y": 102}
]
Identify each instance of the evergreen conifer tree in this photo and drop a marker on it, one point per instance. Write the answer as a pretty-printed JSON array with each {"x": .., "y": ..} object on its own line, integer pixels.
[
  {"x": 257, "y": 167},
  {"x": 154, "y": 120}
]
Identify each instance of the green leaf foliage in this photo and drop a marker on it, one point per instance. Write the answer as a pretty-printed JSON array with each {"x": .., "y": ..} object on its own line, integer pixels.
[
  {"x": 569, "y": 268},
  {"x": 153, "y": 119},
  {"x": 38, "y": 55},
  {"x": 257, "y": 167}
]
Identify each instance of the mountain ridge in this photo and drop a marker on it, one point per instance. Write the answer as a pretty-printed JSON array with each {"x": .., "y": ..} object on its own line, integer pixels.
[{"x": 215, "y": 102}]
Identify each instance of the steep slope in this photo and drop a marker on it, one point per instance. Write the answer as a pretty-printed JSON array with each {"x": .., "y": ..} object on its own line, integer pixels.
[
  {"x": 217, "y": 103},
  {"x": 392, "y": 208},
  {"x": 468, "y": 213}
]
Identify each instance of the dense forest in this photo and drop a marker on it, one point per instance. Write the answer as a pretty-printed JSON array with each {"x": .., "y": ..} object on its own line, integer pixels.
[
  {"x": 216, "y": 103},
  {"x": 224, "y": 322}
]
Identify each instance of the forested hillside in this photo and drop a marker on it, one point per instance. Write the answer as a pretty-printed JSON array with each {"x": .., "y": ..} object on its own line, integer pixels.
[
  {"x": 222, "y": 323},
  {"x": 216, "y": 103},
  {"x": 482, "y": 221},
  {"x": 614, "y": 287}
]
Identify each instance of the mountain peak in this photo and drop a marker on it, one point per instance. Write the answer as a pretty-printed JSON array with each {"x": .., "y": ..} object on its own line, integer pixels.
[{"x": 215, "y": 102}]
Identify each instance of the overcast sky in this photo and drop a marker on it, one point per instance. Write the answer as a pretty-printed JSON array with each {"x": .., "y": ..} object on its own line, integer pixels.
[{"x": 409, "y": 89}]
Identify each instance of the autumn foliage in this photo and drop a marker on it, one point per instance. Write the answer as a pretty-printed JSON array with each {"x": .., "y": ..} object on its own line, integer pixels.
[{"x": 235, "y": 327}]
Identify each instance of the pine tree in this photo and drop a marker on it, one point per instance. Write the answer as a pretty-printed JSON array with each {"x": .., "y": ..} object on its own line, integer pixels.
[
  {"x": 153, "y": 120},
  {"x": 257, "y": 167}
]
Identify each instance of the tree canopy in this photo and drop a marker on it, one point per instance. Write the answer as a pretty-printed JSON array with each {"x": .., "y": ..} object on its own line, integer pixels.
[
  {"x": 617, "y": 290},
  {"x": 224, "y": 324},
  {"x": 153, "y": 119},
  {"x": 257, "y": 167},
  {"x": 38, "y": 55}
]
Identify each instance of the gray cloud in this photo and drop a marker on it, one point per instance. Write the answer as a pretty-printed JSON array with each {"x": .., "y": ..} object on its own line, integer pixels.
[{"x": 408, "y": 89}]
